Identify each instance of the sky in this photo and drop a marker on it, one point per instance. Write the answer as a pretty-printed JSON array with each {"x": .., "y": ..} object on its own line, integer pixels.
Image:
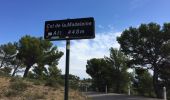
[{"x": 27, "y": 17}]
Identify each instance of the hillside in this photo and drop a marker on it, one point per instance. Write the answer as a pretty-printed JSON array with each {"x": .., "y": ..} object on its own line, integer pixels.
[{"x": 19, "y": 89}]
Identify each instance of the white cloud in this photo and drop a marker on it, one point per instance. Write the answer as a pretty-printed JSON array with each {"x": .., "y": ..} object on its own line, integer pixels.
[{"x": 83, "y": 50}]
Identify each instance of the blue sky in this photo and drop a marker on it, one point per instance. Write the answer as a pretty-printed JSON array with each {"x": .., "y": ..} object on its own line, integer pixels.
[{"x": 21, "y": 17}]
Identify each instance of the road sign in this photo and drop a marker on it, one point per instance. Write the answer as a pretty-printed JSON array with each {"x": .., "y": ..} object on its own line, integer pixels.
[{"x": 81, "y": 28}]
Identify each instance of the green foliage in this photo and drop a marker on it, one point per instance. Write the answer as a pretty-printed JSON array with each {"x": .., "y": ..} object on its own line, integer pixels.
[
  {"x": 37, "y": 82},
  {"x": 54, "y": 72},
  {"x": 110, "y": 71},
  {"x": 165, "y": 75},
  {"x": 39, "y": 72},
  {"x": 36, "y": 50},
  {"x": 50, "y": 76},
  {"x": 7, "y": 55},
  {"x": 7, "y": 51},
  {"x": 52, "y": 83},
  {"x": 53, "y": 78},
  {"x": 86, "y": 82},
  {"x": 44, "y": 74},
  {"x": 143, "y": 42},
  {"x": 5, "y": 71},
  {"x": 100, "y": 72},
  {"x": 31, "y": 75},
  {"x": 30, "y": 51},
  {"x": 143, "y": 83},
  {"x": 74, "y": 81},
  {"x": 145, "y": 46},
  {"x": 118, "y": 62}
]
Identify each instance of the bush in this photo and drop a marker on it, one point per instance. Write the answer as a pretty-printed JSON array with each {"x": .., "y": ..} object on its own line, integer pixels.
[
  {"x": 5, "y": 71},
  {"x": 73, "y": 84},
  {"x": 60, "y": 81},
  {"x": 16, "y": 87},
  {"x": 18, "y": 84},
  {"x": 52, "y": 83},
  {"x": 34, "y": 96},
  {"x": 10, "y": 93},
  {"x": 15, "y": 79},
  {"x": 37, "y": 82}
]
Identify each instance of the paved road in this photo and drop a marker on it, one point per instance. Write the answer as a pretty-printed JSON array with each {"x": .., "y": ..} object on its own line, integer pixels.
[{"x": 112, "y": 96}]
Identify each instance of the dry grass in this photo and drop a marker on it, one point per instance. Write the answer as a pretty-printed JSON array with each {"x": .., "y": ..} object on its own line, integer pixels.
[{"x": 35, "y": 92}]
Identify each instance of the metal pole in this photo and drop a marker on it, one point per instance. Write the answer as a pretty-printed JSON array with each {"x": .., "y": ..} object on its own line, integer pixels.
[
  {"x": 86, "y": 88},
  {"x": 128, "y": 90},
  {"x": 164, "y": 88},
  {"x": 106, "y": 89},
  {"x": 67, "y": 70}
]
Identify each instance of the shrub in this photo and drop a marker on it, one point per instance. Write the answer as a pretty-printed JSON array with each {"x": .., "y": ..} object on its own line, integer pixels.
[
  {"x": 35, "y": 96},
  {"x": 10, "y": 93},
  {"x": 15, "y": 79},
  {"x": 36, "y": 82},
  {"x": 52, "y": 83},
  {"x": 5, "y": 71},
  {"x": 60, "y": 81},
  {"x": 73, "y": 84},
  {"x": 18, "y": 85}
]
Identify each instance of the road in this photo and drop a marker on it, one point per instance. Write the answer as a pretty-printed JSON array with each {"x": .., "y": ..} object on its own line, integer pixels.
[{"x": 113, "y": 96}]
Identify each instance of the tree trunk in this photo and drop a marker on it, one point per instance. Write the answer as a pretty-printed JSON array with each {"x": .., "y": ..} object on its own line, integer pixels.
[
  {"x": 157, "y": 88},
  {"x": 118, "y": 83},
  {"x": 2, "y": 63},
  {"x": 15, "y": 69},
  {"x": 118, "y": 87},
  {"x": 26, "y": 71}
]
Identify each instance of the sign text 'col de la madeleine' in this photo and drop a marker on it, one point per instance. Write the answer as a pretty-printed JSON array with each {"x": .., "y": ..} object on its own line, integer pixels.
[{"x": 81, "y": 28}]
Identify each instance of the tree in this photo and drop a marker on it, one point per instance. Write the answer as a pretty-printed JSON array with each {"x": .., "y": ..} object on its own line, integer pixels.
[
  {"x": 143, "y": 82},
  {"x": 34, "y": 50},
  {"x": 74, "y": 81},
  {"x": 8, "y": 52},
  {"x": 144, "y": 47},
  {"x": 100, "y": 72},
  {"x": 86, "y": 85},
  {"x": 54, "y": 72},
  {"x": 39, "y": 72},
  {"x": 165, "y": 75},
  {"x": 109, "y": 71},
  {"x": 16, "y": 63},
  {"x": 165, "y": 66},
  {"x": 117, "y": 61},
  {"x": 5, "y": 71}
]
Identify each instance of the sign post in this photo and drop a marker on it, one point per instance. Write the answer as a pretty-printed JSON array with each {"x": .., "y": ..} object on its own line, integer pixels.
[
  {"x": 69, "y": 29},
  {"x": 164, "y": 90},
  {"x": 67, "y": 70}
]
